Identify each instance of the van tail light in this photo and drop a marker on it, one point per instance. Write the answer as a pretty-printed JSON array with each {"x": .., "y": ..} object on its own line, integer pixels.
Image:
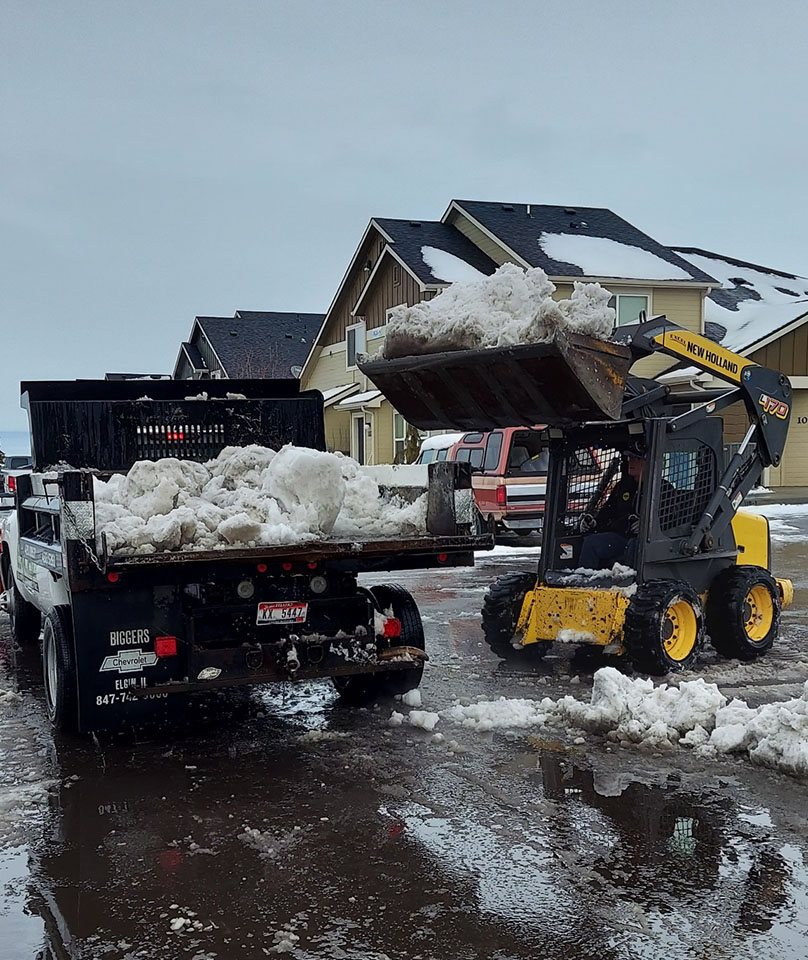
[
  {"x": 12, "y": 484},
  {"x": 165, "y": 646},
  {"x": 502, "y": 495}
]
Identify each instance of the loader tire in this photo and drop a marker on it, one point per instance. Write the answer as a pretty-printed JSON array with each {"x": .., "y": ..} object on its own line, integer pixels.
[
  {"x": 26, "y": 620},
  {"x": 366, "y": 687},
  {"x": 743, "y": 612},
  {"x": 501, "y": 608},
  {"x": 59, "y": 670},
  {"x": 664, "y": 627}
]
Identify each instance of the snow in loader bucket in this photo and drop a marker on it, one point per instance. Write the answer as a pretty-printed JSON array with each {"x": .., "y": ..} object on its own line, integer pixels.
[{"x": 569, "y": 379}]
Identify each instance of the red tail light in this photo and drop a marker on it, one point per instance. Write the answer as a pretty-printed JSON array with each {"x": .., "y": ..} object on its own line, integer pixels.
[
  {"x": 113, "y": 577},
  {"x": 12, "y": 484},
  {"x": 165, "y": 646},
  {"x": 502, "y": 496},
  {"x": 392, "y": 628}
]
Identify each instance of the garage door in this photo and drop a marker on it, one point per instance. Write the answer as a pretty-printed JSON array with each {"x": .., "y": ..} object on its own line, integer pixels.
[{"x": 794, "y": 469}]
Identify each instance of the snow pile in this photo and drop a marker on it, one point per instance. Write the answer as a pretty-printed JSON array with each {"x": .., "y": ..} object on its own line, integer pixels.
[
  {"x": 693, "y": 713},
  {"x": 248, "y": 496},
  {"x": 512, "y": 306}
]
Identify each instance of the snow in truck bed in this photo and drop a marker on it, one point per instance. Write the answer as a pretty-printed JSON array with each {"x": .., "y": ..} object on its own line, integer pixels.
[
  {"x": 248, "y": 496},
  {"x": 512, "y": 306}
]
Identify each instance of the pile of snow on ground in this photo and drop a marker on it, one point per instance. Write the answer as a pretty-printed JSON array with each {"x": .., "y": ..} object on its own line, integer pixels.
[
  {"x": 693, "y": 713},
  {"x": 512, "y": 306},
  {"x": 248, "y": 496}
]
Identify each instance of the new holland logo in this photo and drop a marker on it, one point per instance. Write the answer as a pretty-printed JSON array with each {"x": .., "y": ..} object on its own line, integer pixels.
[
  {"x": 773, "y": 405},
  {"x": 129, "y": 661}
]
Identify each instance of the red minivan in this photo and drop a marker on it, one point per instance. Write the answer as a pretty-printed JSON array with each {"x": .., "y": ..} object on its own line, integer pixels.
[{"x": 509, "y": 475}]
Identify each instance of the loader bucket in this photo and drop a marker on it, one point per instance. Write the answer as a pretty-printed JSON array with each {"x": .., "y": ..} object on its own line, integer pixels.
[{"x": 571, "y": 379}]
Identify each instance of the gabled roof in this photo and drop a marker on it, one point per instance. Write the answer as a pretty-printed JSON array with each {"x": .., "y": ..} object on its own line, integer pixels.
[
  {"x": 756, "y": 303},
  {"x": 579, "y": 242},
  {"x": 261, "y": 343},
  {"x": 410, "y": 237}
]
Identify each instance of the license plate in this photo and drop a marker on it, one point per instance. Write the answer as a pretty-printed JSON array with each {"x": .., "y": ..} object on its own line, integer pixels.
[{"x": 282, "y": 612}]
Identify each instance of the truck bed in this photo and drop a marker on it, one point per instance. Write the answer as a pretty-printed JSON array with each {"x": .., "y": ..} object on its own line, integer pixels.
[{"x": 311, "y": 551}]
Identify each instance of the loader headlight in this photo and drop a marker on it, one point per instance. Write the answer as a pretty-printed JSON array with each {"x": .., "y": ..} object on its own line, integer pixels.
[{"x": 245, "y": 589}]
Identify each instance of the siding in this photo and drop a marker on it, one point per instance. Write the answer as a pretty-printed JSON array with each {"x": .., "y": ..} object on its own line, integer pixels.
[
  {"x": 338, "y": 431},
  {"x": 341, "y": 313},
  {"x": 328, "y": 370},
  {"x": 682, "y": 306},
  {"x": 392, "y": 285},
  {"x": 201, "y": 342},
  {"x": 789, "y": 354}
]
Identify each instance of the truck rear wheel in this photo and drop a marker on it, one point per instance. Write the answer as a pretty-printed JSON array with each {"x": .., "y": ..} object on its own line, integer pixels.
[
  {"x": 664, "y": 627},
  {"x": 59, "y": 670},
  {"x": 26, "y": 620},
  {"x": 743, "y": 612},
  {"x": 364, "y": 688},
  {"x": 501, "y": 609}
]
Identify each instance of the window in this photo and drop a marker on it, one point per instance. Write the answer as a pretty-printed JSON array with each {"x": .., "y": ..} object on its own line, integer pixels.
[
  {"x": 628, "y": 307},
  {"x": 688, "y": 481},
  {"x": 476, "y": 458},
  {"x": 473, "y": 438},
  {"x": 396, "y": 275},
  {"x": 400, "y": 438},
  {"x": 354, "y": 343},
  {"x": 492, "y": 451}
]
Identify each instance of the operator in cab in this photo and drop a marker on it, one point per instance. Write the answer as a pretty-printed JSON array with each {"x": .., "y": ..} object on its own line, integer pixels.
[{"x": 610, "y": 536}]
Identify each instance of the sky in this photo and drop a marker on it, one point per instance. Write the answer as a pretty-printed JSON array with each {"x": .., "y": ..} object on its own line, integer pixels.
[{"x": 162, "y": 160}]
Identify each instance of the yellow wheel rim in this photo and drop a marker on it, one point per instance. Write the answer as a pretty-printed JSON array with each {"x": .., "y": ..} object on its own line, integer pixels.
[
  {"x": 679, "y": 630},
  {"x": 758, "y": 613}
]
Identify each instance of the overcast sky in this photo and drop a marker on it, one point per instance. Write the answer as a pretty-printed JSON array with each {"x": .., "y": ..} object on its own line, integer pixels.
[{"x": 160, "y": 160}]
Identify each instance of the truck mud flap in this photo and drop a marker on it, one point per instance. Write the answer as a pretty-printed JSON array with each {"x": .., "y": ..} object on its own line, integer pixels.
[{"x": 571, "y": 379}]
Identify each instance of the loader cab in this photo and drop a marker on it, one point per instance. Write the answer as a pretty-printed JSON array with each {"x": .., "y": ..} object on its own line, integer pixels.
[{"x": 676, "y": 475}]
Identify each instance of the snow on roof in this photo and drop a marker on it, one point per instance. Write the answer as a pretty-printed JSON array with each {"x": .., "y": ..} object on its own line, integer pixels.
[
  {"x": 602, "y": 257},
  {"x": 333, "y": 392},
  {"x": 359, "y": 400},
  {"x": 449, "y": 268},
  {"x": 755, "y": 301}
]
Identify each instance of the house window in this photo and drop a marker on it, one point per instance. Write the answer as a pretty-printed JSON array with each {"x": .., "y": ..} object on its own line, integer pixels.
[
  {"x": 399, "y": 438},
  {"x": 396, "y": 275},
  {"x": 354, "y": 343},
  {"x": 628, "y": 307}
]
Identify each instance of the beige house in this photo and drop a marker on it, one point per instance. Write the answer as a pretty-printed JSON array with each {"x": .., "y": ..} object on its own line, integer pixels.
[{"x": 406, "y": 261}]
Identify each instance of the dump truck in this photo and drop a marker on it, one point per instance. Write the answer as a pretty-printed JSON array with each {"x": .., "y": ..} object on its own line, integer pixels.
[
  {"x": 126, "y": 632},
  {"x": 693, "y": 563}
]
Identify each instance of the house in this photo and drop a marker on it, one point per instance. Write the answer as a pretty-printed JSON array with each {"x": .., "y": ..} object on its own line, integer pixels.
[
  {"x": 761, "y": 314},
  {"x": 407, "y": 261},
  {"x": 248, "y": 344}
]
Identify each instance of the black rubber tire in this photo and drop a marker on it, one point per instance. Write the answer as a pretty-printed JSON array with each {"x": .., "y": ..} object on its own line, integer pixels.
[
  {"x": 59, "y": 670},
  {"x": 26, "y": 620},
  {"x": 501, "y": 608},
  {"x": 644, "y": 630},
  {"x": 367, "y": 687},
  {"x": 727, "y": 612}
]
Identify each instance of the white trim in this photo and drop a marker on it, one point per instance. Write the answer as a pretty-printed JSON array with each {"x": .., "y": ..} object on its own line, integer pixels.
[
  {"x": 355, "y": 326},
  {"x": 799, "y": 383},
  {"x": 372, "y": 225},
  {"x": 638, "y": 282},
  {"x": 343, "y": 394},
  {"x": 455, "y": 206}
]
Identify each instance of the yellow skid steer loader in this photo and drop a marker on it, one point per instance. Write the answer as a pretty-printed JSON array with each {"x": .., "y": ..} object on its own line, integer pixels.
[{"x": 636, "y": 480}]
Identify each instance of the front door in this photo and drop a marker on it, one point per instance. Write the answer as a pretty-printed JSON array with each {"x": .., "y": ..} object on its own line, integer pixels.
[{"x": 358, "y": 437}]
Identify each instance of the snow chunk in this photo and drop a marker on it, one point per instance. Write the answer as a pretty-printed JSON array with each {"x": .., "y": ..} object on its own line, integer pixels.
[
  {"x": 412, "y": 698},
  {"x": 424, "y": 719},
  {"x": 602, "y": 257},
  {"x": 512, "y": 306},
  {"x": 447, "y": 267}
]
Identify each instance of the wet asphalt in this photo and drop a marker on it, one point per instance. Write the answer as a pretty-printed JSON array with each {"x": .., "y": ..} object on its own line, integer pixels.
[{"x": 279, "y": 822}]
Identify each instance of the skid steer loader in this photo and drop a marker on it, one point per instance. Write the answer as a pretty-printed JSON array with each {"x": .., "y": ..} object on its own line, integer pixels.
[{"x": 698, "y": 565}]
